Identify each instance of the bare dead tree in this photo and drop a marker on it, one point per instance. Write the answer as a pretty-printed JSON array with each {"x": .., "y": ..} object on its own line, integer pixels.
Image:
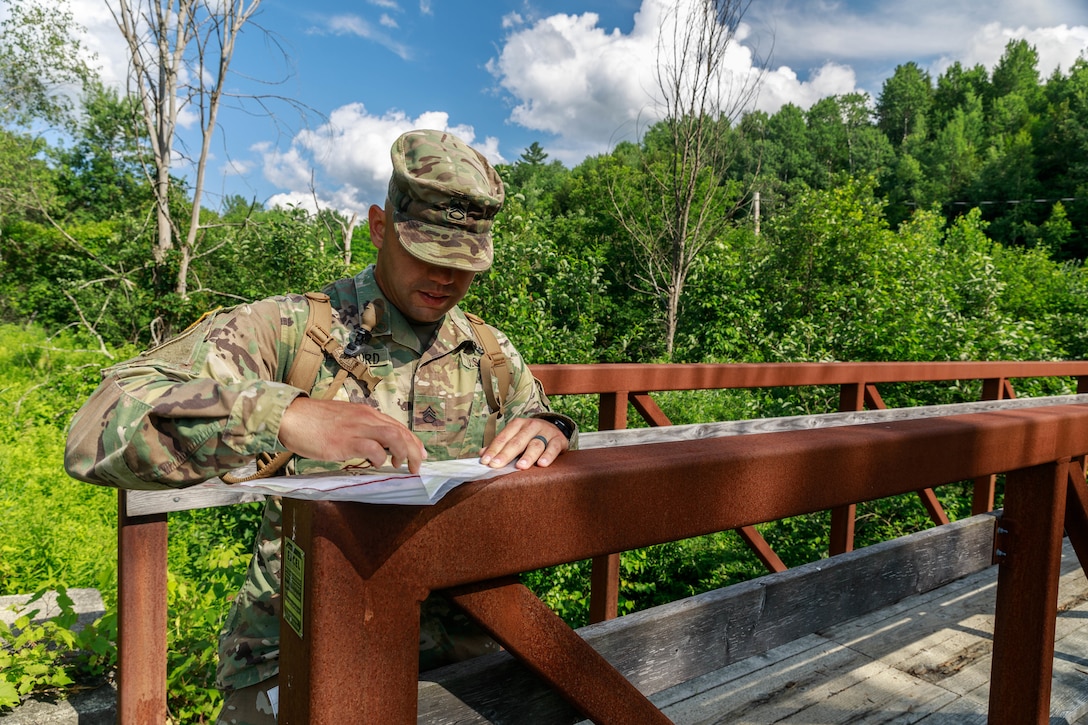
[
  {"x": 680, "y": 205},
  {"x": 180, "y": 53},
  {"x": 345, "y": 228}
]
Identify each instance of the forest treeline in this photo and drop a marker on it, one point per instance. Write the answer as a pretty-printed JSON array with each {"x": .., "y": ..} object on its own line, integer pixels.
[{"x": 945, "y": 219}]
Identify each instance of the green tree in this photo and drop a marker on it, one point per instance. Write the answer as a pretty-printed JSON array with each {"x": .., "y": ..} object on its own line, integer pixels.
[
  {"x": 539, "y": 182},
  {"x": 43, "y": 65},
  {"x": 27, "y": 183},
  {"x": 954, "y": 87},
  {"x": 1062, "y": 152},
  {"x": 99, "y": 176},
  {"x": 904, "y": 103},
  {"x": 1017, "y": 73},
  {"x": 845, "y": 140},
  {"x": 788, "y": 154}
]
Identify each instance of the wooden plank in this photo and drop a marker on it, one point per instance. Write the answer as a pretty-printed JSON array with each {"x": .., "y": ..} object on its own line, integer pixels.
[
  {"x": 667, "y": 645},
  {"x": 825, "y": 678},
  {"x": 141, "y": 503},
  {"x": 699, "y": 431},
  {"x": 1069, "y": 698}
]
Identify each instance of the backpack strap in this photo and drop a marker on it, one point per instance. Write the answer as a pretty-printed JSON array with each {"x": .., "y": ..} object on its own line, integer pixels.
[
  {"x": 494, "y": 374},
  {"x": 301, "y": 375},
  {"x": 310, "y": 353}
]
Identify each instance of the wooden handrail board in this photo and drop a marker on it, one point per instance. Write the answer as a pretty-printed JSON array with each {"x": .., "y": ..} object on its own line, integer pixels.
[
  {"x": 698, "y": 431},
  {"x": 142, "y": 503}
]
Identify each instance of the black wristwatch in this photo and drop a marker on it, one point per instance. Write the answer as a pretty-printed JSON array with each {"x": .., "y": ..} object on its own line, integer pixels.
[{"x": 559, "y": 422}]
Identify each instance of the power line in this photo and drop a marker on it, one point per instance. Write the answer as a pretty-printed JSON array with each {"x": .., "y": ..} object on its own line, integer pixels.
[{"x": 1007, "y": 201}]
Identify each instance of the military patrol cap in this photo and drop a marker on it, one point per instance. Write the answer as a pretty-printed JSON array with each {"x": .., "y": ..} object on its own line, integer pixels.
[{"x": 444, "y": 195}]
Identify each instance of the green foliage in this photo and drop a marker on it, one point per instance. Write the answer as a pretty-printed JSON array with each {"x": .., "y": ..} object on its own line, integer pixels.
[
  {"x": 565, "y": 589},
  {"x": 101, "y": 173},
  {"x": 199, "y": 590},
  {"x": 549, "y": 303},
  {"x": 51, "y": 655},
  {"x": 274, "y": 252},
  {"x": 57, "y": 533},
  {"x": 48, "y": 520},
  {"x": 40, "y": 54}
]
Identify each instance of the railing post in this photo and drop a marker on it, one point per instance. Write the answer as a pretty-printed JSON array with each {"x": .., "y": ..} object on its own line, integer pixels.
[
  {"x": 982, "y": 500},
  {"x": 141, "y": 616},
  {"x": 1076, "y": 510},
  {"x": 349, "y": 641},
  {"x": 604, "y": 578},
  {"x": 852, "y": 396},
  {"x": 1029, "y": 566}
]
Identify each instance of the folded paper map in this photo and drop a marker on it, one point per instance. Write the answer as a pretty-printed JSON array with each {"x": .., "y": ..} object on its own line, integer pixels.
[{"x": 375, "y": 485}]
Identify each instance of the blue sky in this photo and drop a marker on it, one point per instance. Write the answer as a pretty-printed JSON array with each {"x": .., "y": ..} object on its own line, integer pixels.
[{"x": 573, "y": 75}]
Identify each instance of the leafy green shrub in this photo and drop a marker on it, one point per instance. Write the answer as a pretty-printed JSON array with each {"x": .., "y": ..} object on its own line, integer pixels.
[
  {"x": 48, "y": 656},
  {"x": 197, "y": 600}
]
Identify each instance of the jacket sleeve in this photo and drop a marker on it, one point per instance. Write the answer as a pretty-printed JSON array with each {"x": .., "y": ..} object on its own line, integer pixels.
[
  {"x": 527, "y": 397},
  {"x": 198, "y": 406}
]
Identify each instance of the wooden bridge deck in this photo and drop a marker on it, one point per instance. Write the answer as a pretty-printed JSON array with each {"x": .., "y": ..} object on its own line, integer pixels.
[{"x": 923, "y": 660}]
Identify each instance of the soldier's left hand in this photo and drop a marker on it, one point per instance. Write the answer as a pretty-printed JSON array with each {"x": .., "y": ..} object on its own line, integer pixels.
[{"x": 525, "y": 437}]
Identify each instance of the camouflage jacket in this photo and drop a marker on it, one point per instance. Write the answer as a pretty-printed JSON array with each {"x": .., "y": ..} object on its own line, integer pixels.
[{"x": 206, "y": 402}]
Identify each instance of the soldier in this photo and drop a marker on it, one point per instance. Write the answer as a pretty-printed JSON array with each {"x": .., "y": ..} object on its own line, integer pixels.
[{"x": 206, "y": 402}]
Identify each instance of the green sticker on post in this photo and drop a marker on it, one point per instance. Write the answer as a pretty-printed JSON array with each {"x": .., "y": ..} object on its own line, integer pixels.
[{"x": 294, "y": 570}]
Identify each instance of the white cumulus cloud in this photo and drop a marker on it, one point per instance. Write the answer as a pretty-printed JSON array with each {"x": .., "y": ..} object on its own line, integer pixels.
[
  {"x": 345, "y": 161},
  {"x": 591, "y": 87},
  {"x": 1058, "y": 47}
]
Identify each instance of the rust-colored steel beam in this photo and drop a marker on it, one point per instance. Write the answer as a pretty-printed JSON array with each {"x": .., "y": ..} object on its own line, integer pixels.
[
  {"x": 554, "y": 652},
  {"x": 592, "y": 379},
  {"x": 604, "y": 588},
  {"x": 612, "y": 410},
  {"x": 858, "y": 396},
  {"x": 1076, "y": 510},
  {"x": 933, "y": 507},
  {"x": 648, "y": 408},
  {"x": 367, "y": 567},
  {"x": 985, "y": 487},
  {"x": 761, "y": 548},
  {"x": 1029, "y": 566},
  {"x": 604, "y": 582},
  {"x": 605, "y": 573},
  {"x": 141, "y": 616},
  {"x": 852, "y": 396},
  {"x": 356, "y": 658},
  {"x": 842, "y": 529}
]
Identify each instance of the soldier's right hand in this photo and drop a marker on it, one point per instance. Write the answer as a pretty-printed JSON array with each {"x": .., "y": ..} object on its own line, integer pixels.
[{"x": 336, "y": 430}]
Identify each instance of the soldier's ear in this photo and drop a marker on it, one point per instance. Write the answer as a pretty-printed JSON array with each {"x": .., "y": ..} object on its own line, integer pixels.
[{"x": 376, "y": 220}]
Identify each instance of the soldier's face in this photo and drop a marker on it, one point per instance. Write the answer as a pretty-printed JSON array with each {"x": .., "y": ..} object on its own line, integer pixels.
[{"x": 423, "y": 292}]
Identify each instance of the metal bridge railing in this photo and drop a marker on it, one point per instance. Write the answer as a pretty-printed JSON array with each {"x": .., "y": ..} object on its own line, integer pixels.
[{"x": 591, "y": 504}]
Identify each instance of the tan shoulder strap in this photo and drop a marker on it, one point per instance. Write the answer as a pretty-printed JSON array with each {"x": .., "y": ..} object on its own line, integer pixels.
[
  {"x": 302, "y": 375},
  {"x": 309, "y": 357},
  {"x": 494, "y": 374}
]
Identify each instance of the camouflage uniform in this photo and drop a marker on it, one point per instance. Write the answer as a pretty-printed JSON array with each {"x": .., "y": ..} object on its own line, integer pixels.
[{"x": 208, "y": 401}]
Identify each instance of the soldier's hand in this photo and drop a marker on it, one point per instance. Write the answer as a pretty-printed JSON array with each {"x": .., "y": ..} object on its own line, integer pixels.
[
  {"x": 534, "y": 439},
  {"x": 335, "y": 430}
]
